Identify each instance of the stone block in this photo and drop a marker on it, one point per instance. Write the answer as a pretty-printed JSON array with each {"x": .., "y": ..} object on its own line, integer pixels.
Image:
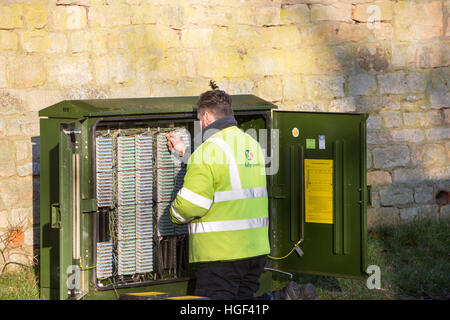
[
  {"x": 415, "y": 82},
  {"x": 324, "y": 87},
  {"x": 373, "y": 57},
  {"x": 422, "y": 119},
  {"x": 23, "y": 150},
  {"x": 17, "y": 192},
  {"x": 109, "y": 15},
  {"x": 25, "y": 169},
  {"x": 237, "y": 36},
  {"x": 8, "y": 40},
  {"x": 70, "y": 70},
  {"x": 378, "y": 138},
  {"x": 7, "y": 157},
  {"x": 11, "y": 17},
  {"x": 378, "y": 177},
  {"x": 112, "y": 68},
  {"x": 440, "y": 78},
  {"x": 270, "y": 88},
  {"x": 280, "y": 36},
  {"x": 430, "y": 155},
  {"x": 338, "y": 11},
  {"x": 80, "y": 41},
  {"x": 293, "y": 88},
  {"x": 212, "y": 63},
  {"x": 324, "y": 32},
  {"x": 330, "y": 60},
  {"x": 426, "y": 211},
  {"x": 373, "y": 11},
  {"x": 144, "y": 14},
  {"x": 391, "y": 156},
  {"x": 232, "y": 86},
  {"x": 35, "y": 16},
  {"x": 267, "y": 16},
  {"x": 430, "y": 54},
  {"x": 295, "y": 13},
  {"x": 362, "y": 84},
  {"x": 395, "y": 195},
  {"x": 26, "y": 72},
  {"x": 68, "y": 18},
  {"x": 3, "y": 68},
  {"x": 160, "y": 37},
  {"x": 270, "y": 61},
  {"x": 392, "y": 83},
  {"x": 374, "y": 122},
  {"x": 418, "y": 20},
  {"x": 444, "y": 212},
  {"x": 315, "y": 106},
  {"x": 407, "y": 135},
  {"x": 42, "y": 42},
  {"x": 439, "y": 98},
  {"x": 130, "y": 38},
  {"x": 424, "y": 194},
  {"x": 438, "y": 134},
  {"x": 391, "y": 119},
  {"x": 346, "y": 104},
  {"x": 408, "y": 175},
  {"x": 197, "y": 38}
]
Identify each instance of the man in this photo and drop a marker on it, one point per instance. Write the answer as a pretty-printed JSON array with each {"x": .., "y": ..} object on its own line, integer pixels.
[{"x": 224, "y": 200}]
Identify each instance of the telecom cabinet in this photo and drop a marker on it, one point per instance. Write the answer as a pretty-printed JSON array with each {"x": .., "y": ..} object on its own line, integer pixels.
[{"x": 107, "y": 179}]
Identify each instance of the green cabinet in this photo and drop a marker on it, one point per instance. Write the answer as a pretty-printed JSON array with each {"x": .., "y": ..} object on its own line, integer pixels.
[
  {"x": 321, "y": 193},
  {"x": 317, "y": 188}
]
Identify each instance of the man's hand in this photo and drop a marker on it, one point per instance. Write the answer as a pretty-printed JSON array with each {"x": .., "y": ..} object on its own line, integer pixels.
[{"x": 175, "y": 143}]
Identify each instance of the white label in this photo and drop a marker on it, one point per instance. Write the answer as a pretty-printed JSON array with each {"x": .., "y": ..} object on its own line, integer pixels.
[{"x": 321, "y": 142}]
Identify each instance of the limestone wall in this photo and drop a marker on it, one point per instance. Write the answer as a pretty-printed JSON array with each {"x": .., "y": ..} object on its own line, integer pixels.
[{"x": 387, "y": 58}]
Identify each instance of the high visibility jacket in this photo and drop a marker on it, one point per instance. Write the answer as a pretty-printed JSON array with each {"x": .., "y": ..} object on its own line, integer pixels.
[{"x": 224, "y": 199}]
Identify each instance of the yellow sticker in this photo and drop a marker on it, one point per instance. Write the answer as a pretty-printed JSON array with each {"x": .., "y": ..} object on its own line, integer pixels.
[{"x": 319, "y": 191}]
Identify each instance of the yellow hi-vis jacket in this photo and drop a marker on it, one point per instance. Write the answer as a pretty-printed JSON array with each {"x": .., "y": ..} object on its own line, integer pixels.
[{"x": 224, "y": 199}]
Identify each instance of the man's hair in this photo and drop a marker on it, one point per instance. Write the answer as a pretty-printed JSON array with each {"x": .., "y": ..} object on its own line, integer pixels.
[{"x": 217, "y": 102}]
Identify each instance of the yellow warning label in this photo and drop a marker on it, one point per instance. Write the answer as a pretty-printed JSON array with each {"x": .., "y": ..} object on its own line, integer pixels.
[{"x": 318, "y": 191}]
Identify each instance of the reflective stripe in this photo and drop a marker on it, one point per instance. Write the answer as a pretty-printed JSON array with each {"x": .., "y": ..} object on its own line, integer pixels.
[
  {"x": 194, "y": 198},
  {"x": 236, "y": 192},
  {"x": 234, "y": 172},
  {"x": 240, "y": 194},
  {"x": 177, "y": 216},
  {"x": 230, "y": 225}
]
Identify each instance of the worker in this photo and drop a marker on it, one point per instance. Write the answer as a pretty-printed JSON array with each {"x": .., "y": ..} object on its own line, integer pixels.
[{"x": 224, "y": 200}]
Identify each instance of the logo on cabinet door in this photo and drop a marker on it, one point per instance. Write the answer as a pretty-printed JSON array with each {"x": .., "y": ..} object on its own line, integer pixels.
[{"x": 295, "y": 132}]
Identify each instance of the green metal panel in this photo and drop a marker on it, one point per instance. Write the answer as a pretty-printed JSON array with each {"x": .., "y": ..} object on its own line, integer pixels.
[
  {"x": 76, "y": 109},
  {"x": 49, "y": 195},
  {"x": 337, "y": 248}
]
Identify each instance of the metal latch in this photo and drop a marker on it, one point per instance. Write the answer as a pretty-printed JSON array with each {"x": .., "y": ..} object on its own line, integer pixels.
[
  {"x": 88, "y": 205},
  {"x": 56, "y": 216},
  {"x": 71, "y": 132}
]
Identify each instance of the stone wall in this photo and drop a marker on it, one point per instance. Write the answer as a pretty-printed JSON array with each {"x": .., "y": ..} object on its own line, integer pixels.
[{"x": 387, "y": 58}]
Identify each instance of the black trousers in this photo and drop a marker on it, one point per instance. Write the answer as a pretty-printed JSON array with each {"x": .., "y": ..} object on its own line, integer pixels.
[{"x": 229, "y": 280}]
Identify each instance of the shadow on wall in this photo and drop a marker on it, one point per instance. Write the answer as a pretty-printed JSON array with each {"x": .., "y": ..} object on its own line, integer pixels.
[{"x": 361, "y": 68}]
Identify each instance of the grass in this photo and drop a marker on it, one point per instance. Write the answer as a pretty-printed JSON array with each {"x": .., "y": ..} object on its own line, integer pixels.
[
  {"x": 414, "y": 259},
  {"x": 20, "y": 284}
]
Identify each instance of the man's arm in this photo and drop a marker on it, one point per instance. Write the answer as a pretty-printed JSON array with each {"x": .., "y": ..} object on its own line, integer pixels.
[{"x": 196, "y": 197}]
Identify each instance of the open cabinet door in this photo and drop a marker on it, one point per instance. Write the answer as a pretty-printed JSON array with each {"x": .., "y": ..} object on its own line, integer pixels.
[
  {"x": 319, "y": 193},
  {"x": 69, "y": 210}
]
